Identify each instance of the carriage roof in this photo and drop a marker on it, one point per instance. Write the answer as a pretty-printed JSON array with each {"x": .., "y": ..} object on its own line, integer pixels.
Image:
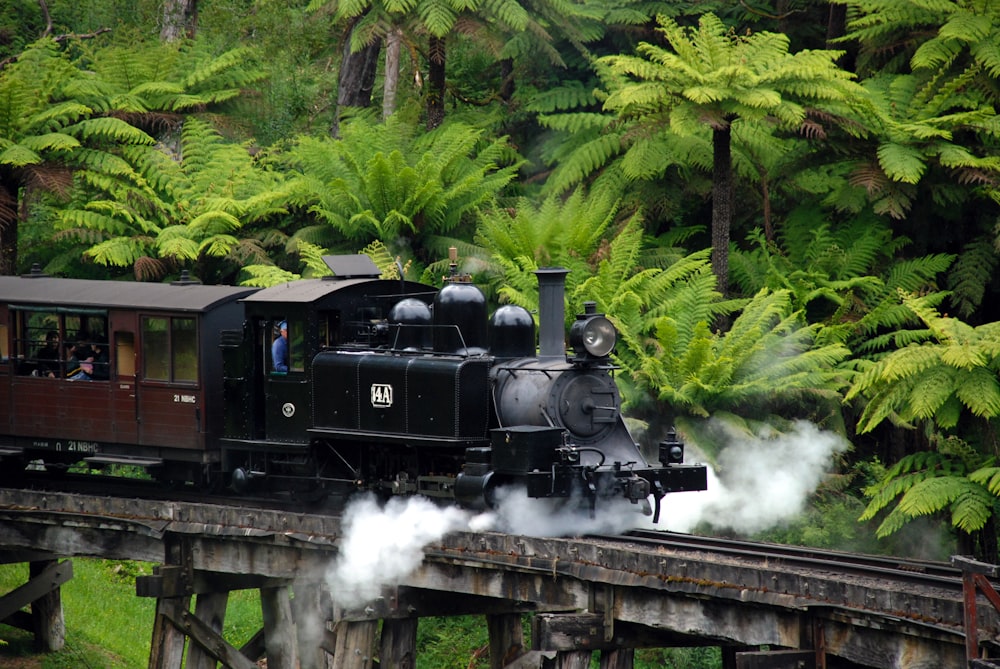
[{"x": 89, "y": 293}]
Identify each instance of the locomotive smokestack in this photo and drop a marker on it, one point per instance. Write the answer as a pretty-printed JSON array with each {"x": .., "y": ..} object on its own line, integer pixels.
[{"x": 551, "y": 312}]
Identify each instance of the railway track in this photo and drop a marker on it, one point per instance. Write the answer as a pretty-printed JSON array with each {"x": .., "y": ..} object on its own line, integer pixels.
[{"x": 907, "y": 571}]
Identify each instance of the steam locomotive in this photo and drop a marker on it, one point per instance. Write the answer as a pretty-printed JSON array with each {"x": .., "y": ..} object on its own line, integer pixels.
[{"x": 391, "y": 386}]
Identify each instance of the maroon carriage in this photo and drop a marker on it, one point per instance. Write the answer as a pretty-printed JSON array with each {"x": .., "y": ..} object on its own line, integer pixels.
[{"x": 112, "y": 372}]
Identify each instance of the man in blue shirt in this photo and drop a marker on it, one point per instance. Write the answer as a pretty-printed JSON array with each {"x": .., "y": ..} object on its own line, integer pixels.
[{"x": 279, "y": 349}]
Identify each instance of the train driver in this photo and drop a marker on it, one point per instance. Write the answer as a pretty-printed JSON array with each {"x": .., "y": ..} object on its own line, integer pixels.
[{"x": 279, "y": 349}]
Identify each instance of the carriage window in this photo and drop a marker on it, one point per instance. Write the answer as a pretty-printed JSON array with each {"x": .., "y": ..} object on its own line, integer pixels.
[
  {"x": 169, "y": 349},
  {"x": 39, "y": 343},
  {"x": 184, "y": 349},
  {"x": 43, "y": 340}
]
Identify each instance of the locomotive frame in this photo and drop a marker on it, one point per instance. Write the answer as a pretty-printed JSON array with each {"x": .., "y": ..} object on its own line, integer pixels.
[{"x": 393, "y": 386}]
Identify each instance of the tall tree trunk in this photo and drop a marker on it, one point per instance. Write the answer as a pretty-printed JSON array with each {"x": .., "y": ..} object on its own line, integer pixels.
[
  {"x": 9, "y": 219},
  {"x": 180, "y": 19},
  {"x": 435, "y": 83},
  {"x": 393, "y": 44},
  {"x": 722, "y": 203},
  {"x": 507, "y": 79},
  {"x": 357, "y": 77}
]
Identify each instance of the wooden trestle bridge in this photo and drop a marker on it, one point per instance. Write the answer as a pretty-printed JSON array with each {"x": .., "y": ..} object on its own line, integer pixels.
[{"x": 601, "y": 595}]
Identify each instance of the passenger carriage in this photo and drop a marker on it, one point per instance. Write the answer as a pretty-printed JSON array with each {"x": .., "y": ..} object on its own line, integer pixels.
[{"x": 160, "y": 403}]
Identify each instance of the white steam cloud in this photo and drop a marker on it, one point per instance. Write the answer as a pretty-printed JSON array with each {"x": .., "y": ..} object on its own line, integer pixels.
[
  {"x": 382, "y": 545},
  {"x": 762, "y": 481}
]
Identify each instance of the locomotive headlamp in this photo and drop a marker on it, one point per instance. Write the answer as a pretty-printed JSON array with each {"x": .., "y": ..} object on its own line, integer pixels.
[
  {"x": 671, "y": 450},
  {"x": 592, "y": 335}
]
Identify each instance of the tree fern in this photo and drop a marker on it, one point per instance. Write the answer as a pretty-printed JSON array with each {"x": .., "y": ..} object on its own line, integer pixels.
[
  {"x": 953, "y": 479},
  {"x": 384, "y": 182}
]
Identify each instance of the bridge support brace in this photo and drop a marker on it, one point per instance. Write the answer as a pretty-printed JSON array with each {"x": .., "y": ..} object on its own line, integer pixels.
[
  {"x": 42, "y": 592},
  {"x": 177, "y": 628}
]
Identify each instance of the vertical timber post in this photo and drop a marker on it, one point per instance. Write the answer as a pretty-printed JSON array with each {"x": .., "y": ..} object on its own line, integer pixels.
[
  {"x": 46, "y": 611},
  {"x": 506, "y": 639},
  {"x": 618, "y": 658},
  {"x": 211, "y": 608},
  {"x": 355, "y": 641},
  {"x": 310, "y": 625},
  {"x": 399, "y": 643},
  {"x": 166, "y": 651},
  {"x": 279, "y": 629}
]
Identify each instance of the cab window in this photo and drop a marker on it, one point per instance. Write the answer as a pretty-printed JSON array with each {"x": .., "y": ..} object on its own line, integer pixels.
[{"x": 296, "y": 343}]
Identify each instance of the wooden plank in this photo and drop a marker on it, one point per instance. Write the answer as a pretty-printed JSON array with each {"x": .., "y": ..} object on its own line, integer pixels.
[
  {"x": 776, "y": 659},
  {"x": 169, "y": 581},
  {"x": 254, "y": 648},
  {"x": 166, "y": 650},
  {"x": 577, "y": 659},
  {"x": 618, "y": 658},
  {"x": 506, "y": 639},
  {"x": 279, "y": 628},
  {"x": 183, "y": 621},
  {"x": 568, "y": 631},
  {"x": 210, "y": 609},
  {"x": 311, "y": 616},
  {"x": 46, "y": 610},
  {"x": 16, "y": 557},
  {"x": 399, "y": 643},
  {"x": 44, "y": 580},
  {"x": 355, "y": 641}
]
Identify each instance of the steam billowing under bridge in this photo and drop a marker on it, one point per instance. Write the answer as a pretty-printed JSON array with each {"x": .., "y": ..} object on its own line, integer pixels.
[{"x": 766, "y": 606}]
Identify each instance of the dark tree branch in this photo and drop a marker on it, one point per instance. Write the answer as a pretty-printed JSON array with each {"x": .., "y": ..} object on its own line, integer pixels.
[{"x": 58, "y": 38}]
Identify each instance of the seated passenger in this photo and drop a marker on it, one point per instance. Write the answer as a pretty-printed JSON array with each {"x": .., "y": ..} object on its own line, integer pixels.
[
  {"x": 102, "y": 365},
  {"x": 76, "y": 369},
  {"x": 48, "y": 356},
  {"x": 279, "y": 349}
]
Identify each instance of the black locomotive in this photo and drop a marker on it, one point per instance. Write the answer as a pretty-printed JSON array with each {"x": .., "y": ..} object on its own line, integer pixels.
[{"x": 391, "y": 386}]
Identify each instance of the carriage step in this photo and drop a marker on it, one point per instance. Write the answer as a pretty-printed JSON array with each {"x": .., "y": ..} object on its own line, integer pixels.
[{"x": 123, "y": 460}]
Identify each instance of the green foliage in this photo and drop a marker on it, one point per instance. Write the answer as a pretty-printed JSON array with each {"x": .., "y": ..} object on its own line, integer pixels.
[
  {"x": 454, "y": 641},
  {"x": 844, "y": 276},
  {"x": 953, "y": 370},
  {"x": 386, "y": 182},
  {"x": 165, "y": 213},
  {"x": 568, "y": 233},
  {"x": 918, "y": 120},
  {"x": 769, "y": 361},
  {"x": 953, "y": 479},
  {"x": 711, "y": 75}
]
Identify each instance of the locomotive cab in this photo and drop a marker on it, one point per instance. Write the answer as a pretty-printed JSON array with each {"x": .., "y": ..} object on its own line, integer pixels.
[{"x": 274, "y": 414}]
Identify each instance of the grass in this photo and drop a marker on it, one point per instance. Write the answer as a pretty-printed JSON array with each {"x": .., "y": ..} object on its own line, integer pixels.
[{"x": 107, "y": 625}]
